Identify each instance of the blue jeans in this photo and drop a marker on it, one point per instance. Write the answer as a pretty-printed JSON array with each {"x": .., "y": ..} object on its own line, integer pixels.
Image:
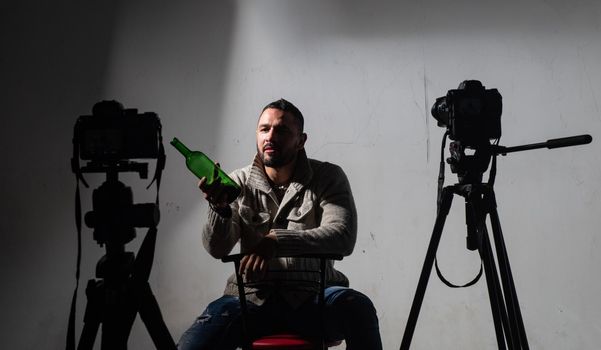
[{"x": 349, "y": 315}]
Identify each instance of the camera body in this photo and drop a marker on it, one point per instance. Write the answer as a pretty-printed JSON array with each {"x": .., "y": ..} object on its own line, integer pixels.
[
  {"x": 471, "y": 114},
  {"x": 113, "y": 133}
]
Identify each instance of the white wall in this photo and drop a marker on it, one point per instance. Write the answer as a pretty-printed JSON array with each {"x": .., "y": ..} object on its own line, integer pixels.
[{"x": 365, "y": 75}]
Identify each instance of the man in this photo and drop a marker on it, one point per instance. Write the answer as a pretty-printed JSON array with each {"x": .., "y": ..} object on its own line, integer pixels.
[{"x": 288, "y": 205}]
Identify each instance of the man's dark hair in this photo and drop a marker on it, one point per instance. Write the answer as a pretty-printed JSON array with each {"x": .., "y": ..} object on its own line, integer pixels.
[{"x": 288, "y": 107}]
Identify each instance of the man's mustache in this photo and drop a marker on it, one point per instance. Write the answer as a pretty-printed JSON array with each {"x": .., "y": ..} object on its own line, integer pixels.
[{"x": 270, "y": 145}]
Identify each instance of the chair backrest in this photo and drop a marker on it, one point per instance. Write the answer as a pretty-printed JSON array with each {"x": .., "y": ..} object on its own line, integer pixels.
[{"x": 285, "y": 341}]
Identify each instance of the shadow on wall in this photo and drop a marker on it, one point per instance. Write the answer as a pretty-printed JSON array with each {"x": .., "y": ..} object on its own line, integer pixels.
[
  {"x": 53, "y": 65},
  {"x": 57, "y": 60}
]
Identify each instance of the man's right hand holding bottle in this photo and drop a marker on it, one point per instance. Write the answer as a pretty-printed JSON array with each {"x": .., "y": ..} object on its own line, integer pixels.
[{"x": 215, "y": 193}]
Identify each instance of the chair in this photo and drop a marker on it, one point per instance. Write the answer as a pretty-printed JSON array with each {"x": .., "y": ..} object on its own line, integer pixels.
[{"x": 285, "y": 341}]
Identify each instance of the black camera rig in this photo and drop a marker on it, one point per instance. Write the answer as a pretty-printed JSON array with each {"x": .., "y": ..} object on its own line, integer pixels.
[
  {"x": 472, "y": 116},
  {"x": 109, "y": 140}
]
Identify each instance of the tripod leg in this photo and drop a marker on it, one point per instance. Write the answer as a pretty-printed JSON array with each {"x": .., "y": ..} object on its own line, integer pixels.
[
  {"x": 478, "y": 240},
  {"x": 92, "y": 316},
  {"x": 153, "y": 320},
  {"x": 111, "y": 316},
  {"x": 515, "y": 314},
  {"x": 476, "y": 216},
  {"x": 119, "y": 316},
  {"x": 447, "y": 199},
  {"x": 497, "y": 305}
]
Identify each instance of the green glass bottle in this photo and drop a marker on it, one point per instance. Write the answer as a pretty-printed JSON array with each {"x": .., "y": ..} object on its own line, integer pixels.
[{"x": 201, "y": 166}]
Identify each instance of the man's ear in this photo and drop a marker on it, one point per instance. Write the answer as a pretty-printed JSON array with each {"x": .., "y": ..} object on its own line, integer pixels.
[{"x": 303, "y": 139}]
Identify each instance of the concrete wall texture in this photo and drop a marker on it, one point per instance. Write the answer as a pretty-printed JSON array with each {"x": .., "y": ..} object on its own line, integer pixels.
[{"x": 365, "y": 75}]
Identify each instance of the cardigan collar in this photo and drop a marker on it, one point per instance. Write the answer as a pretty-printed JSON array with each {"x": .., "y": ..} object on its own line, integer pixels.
[{"x": 300, "y": 178}]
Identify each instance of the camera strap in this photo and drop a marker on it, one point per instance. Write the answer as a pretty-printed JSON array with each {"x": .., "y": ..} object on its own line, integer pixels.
[
  {"x": 161, "y": 160},
  {"x": 438, "y": 204},
  {"x": 71, "y": 325},
  {"x": 441, "y": 173},
  {"x": 449, "y": 284},
  {"x": 78, "y": 177}
]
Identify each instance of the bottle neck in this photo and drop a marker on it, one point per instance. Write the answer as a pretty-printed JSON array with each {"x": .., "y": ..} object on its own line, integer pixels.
[{"x": 181, "y": 147}]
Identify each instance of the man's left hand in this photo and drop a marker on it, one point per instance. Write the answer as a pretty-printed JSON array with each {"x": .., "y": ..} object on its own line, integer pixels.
[{"x": 254, "y": 265}]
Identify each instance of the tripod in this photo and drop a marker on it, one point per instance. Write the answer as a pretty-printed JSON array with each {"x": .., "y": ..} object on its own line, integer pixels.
[
  {"x": 115, "y": 300},
  {"x": 122, "y": 289},
  {"x": 480, "y": 202},
  {"x": 108, "y": 139}
]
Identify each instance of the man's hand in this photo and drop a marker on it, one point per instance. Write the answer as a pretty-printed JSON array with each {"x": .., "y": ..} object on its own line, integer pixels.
[
  {"x": 215, "y": 192},
  {"x": 254, "y": 265}
]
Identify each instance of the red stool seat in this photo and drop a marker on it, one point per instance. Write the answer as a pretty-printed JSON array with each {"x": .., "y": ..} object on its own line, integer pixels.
[{"x": 287, "y": 341}]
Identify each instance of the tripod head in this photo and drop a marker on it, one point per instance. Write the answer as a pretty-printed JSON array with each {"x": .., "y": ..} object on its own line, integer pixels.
[
  {"x": 115, "y": 216},
  {"x": 470, "y": 168}
]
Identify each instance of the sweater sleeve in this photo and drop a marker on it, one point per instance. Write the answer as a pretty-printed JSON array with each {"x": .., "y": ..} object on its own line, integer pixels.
[
  {"x": 221, "y": 232},
  {"x": 337, "y": 229}
]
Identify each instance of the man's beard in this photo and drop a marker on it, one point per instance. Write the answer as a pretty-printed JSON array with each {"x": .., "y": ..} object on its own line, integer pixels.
[{"x": 276, "y": 161}]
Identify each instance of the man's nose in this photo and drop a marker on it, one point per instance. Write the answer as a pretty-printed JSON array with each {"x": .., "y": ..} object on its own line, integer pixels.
[{"x": 270, "y": 135}]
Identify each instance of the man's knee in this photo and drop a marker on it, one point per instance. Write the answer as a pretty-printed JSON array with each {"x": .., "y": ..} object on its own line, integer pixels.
[
  {"x": 354, "y": 303},
  {"x": 355, "y": 317},
  {"x": 213, "y": 325}
]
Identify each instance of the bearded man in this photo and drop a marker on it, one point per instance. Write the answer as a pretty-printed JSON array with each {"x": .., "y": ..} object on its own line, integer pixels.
[{"x": 289, "y": 205}]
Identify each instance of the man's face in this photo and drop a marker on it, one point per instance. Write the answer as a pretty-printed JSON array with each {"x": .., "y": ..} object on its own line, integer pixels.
[{"x": 278, "y": 138}]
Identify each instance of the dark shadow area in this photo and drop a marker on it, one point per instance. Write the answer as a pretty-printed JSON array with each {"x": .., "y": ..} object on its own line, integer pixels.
[
  {"x": 53, "y": 65},
  {"x": 58, "y": 59}
]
